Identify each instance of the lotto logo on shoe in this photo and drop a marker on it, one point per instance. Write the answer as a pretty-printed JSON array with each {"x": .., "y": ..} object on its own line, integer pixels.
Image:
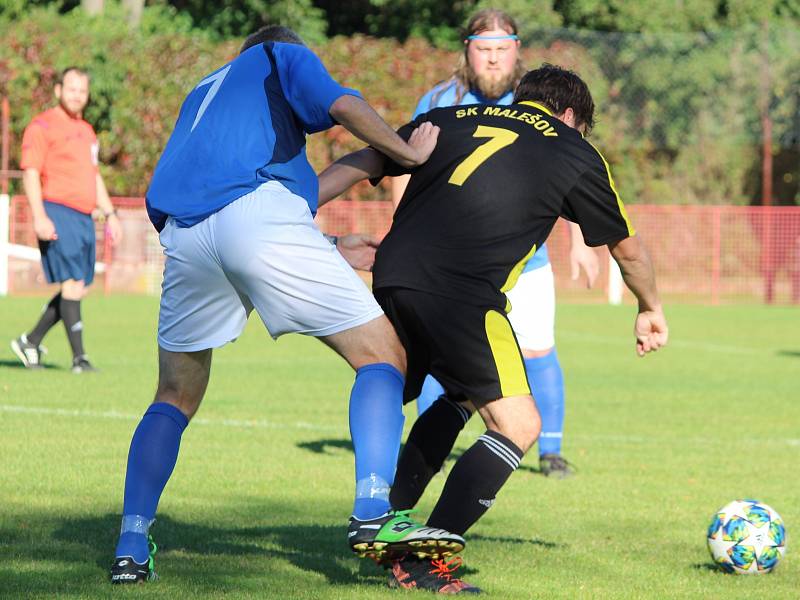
[
  {"x": 402, "y": 526},
  {"x": 125, "y": 576},
  {"x": 486, "y": 503}
]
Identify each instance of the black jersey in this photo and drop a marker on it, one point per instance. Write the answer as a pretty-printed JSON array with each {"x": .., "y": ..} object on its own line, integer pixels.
[{"x": 487, "y": 198}]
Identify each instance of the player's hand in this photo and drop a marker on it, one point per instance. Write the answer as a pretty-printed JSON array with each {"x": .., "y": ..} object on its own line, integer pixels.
[
  {"x": 584, "y": 257},
  {"x": 114, "y": 229},
  {"x": 358, "y": 250},
  {"x": 423, "y": 139},
  {"x": 45, "y": 230},
  {"x": 651, "y": 331}
]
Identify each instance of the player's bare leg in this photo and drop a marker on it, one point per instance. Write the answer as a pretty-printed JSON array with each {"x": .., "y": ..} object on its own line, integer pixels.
[
  {"x": 182, "y": 381},
  {"x": 376, "y": 427},
  {"x": 372, "y": 342}
]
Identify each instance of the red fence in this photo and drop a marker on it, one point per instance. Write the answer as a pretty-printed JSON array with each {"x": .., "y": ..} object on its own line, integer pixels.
[{"x": 708, "y": 254}]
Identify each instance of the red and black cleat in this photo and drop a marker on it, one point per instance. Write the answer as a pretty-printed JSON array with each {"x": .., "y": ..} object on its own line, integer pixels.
[{"x": 431, "y": 575}]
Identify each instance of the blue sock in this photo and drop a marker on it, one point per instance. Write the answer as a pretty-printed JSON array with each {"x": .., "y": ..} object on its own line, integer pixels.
[
  {"x": 376, "y": 427},
  {"x": 547, "y": 384},
  {"x": 153, "y": 453},
  {"x": 431, "y": 390}
]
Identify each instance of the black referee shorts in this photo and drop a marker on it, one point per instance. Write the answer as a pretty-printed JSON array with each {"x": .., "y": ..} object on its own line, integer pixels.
[{"x": 471, "y": 350}]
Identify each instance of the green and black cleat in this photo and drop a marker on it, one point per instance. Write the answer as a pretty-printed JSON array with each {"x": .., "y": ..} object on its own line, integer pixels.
[
  {"x": 127, "y": 570},
  {"x": 395, "y": 534}
]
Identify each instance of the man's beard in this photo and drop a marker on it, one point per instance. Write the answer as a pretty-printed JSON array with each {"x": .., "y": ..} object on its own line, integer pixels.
[
  {"x": 70, "y": 110},
  {"x": 490, "y": 85}
]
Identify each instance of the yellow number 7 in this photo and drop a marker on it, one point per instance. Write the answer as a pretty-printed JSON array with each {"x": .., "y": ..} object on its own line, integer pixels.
[{"x": 500, "y": 138}]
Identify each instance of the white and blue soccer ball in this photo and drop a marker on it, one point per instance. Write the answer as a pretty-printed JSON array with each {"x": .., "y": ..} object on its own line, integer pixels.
[{"x": 746, "y": 536}]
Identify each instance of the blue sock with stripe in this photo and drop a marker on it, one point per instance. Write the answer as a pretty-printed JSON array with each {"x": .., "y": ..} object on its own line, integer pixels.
[
  {"x": 431, "y": 390},
  {"x": 547, "y": 385},
  {"x": 151, "y": 459},
  {"x": 376, "y": 428}
]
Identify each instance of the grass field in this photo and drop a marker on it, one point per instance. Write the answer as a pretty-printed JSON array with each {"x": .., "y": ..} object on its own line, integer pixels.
[{"x": 258, "y": 502}]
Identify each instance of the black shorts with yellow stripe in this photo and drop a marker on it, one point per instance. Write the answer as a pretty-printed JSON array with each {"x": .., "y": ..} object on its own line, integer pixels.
[{"x": 471, "y": 350}]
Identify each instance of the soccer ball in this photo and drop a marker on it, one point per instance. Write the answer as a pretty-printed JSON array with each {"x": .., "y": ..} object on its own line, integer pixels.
[{"x": 746, "y": 536}]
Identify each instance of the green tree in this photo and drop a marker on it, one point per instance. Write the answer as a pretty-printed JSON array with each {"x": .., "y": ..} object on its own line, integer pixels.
[{"x": 238, "y": 18}]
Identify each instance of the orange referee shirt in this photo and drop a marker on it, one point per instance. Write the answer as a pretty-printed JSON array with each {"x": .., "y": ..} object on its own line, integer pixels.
[{"x": 64, "y": 151}]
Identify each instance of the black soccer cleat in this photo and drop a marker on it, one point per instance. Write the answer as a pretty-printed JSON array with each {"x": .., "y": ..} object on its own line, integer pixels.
[
  {"x": 395, "y": 534},
  {"x": 81, "y": 364},
  {"x": 29, "y": 354},
  {"x": 126, "y": 570},
  {"x": 412, "y": 573},
  {"x": 555, "y": 466}
]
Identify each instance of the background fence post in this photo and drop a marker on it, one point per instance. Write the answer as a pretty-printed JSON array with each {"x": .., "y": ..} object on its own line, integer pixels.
[
  {"x": 4, "y": 241},
  {"x": 716, "y": 249},
  {"x": 615, "y": 282}
]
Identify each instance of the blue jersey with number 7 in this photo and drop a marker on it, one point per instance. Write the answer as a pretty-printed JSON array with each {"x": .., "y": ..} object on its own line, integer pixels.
[{"x": 241, "y": 126}]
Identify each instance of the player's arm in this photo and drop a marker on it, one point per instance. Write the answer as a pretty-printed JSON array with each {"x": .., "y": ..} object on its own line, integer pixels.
[
  {"x": 42, "y": 225},
  {"x": 358, "y": 249},
  {"x": 113, "y": 225},
  {"x": 400, "y": 182},
  {"x": 581, "y": 256},
  {"x": 34, "y": 153},
  {"x": 368, "y": 163},
  {"x": 319, "y": 102},
  {"x": 594, "y": 203},
  {"x": 358, "y": 117},
  {"x": 650, "y": 328},
  {"x": 343, "y": 174}
]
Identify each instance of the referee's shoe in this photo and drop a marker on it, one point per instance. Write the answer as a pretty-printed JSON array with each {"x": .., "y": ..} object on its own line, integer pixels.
[
  {"x": 395, "y": 534},
  {"x": 29, "y": 354}
]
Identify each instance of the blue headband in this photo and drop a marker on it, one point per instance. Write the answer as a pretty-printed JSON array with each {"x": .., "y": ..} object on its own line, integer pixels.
[{"x": 511, "y": 36}]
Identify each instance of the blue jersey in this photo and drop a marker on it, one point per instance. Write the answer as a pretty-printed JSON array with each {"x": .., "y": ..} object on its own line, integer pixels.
[
  {"x": 243, "y": 125},
  {"x": 446, "y": 94}
]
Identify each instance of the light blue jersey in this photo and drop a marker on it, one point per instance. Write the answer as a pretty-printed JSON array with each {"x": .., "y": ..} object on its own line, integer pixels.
[
  {"x": 446, "y": 94},
  {"x": 243, "y": 125}
]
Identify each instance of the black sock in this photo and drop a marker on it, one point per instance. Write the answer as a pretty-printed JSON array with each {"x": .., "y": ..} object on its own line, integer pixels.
[
  {"x": 474, "y": 482},
  {"x": 71, "y": 315},
  {"x": 428, "y": 445},
  {"x": 50, "y": 316}
]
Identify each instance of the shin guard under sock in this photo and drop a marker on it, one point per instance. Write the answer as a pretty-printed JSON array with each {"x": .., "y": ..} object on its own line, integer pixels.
[
  {"x": 473, "y": 483},
  {"x": 428, "y": 445}
]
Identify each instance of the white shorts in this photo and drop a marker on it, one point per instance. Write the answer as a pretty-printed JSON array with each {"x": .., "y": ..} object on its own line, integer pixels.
[
  {"x": 264, "y": 251},
  {"x": 533, "y": 309}
]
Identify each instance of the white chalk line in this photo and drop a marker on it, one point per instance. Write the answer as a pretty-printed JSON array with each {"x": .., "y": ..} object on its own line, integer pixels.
[
  {"x": 673, "y": 343},
  {"x": 301, "y": 425},
  {"x": 112, "y": 414}
]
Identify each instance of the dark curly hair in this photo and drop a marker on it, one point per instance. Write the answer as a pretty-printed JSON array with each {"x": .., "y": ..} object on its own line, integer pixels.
[{"x": 558, "y": 89}]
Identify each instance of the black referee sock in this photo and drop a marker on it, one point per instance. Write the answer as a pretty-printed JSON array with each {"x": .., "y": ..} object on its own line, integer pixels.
[
  {"x": 474, "y": 482},
  {"x": 428, "y": 445},
  {"x": 50, "y": 316},
  {"x": 71, "y": 315}
]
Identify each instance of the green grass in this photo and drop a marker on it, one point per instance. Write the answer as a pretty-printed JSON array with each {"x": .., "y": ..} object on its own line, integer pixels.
[{"x": 257, "y": 504}]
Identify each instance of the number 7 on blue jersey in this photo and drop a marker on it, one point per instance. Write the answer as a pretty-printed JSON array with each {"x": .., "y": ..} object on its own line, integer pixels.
[{"x": 216, "y": 81}]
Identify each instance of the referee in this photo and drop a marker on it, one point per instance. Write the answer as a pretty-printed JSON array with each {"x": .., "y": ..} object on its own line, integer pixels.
[{"x": 63, "y": 186}]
